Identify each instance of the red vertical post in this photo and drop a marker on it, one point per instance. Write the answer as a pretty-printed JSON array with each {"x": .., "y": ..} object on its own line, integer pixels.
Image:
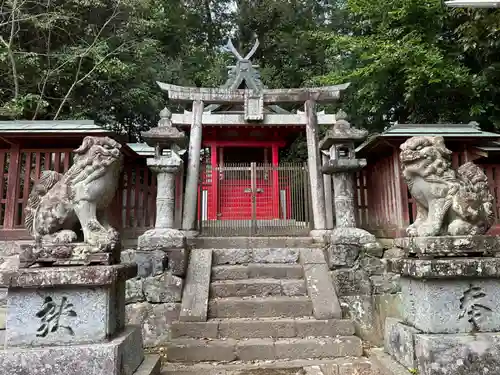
[
  {"x": 12, "y": 186},
  {"x": 213, "y": 210},
  {"x": 276, "y": 183}
]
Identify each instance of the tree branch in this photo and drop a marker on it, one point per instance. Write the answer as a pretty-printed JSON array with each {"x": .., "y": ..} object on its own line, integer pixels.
[
  {"x": 8, "y": 46},
  {"x": 78, "y": 80}
]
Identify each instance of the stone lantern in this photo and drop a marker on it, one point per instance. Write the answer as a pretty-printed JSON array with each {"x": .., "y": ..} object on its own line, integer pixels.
[
  {"x": 346, "y": 240},
  {"x": 164, "y": 237}
]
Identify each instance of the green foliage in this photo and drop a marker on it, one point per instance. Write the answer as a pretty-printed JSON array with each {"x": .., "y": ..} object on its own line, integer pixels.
[
  {"x": 411, "y": 61},
  {"x": 99, "y": 59}
]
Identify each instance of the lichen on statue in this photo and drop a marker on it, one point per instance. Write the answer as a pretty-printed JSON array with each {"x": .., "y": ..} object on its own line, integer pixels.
[
  {"x": 61, "y": 203},
  {"x": 449, "y": 202}
]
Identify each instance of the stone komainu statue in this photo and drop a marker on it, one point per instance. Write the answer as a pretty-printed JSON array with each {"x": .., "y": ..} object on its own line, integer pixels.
[
  {"x": 59, "y": 202},
  {"x": 448, "y": 202}
]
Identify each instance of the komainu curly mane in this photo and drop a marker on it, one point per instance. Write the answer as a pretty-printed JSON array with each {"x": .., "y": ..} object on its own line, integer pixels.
[{"x": 448, "y": 202}]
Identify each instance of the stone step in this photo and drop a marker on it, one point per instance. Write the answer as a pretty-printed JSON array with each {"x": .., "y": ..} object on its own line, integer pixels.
[
  {"x": 260, "y": 255},
  {"x": 257, "y": 270},
  {"x": 226, "y": 350},
  {"x": 241, "y": 328},
  {"x": 257, "y": 287},
  {"x": 250, "y": 242},
  {"x": 323, "y": 366},
  {"x": 260, "y": 307}
]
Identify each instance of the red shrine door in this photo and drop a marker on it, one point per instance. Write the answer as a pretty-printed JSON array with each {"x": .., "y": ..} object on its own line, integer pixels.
[{"x": 252, "y": 198}]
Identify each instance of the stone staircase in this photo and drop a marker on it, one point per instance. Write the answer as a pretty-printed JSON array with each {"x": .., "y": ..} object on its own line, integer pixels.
[{"x": 265, "y": 307}]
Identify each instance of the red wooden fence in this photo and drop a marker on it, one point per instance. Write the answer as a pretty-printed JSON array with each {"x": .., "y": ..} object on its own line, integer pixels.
[{"x": 384, "y": 204}]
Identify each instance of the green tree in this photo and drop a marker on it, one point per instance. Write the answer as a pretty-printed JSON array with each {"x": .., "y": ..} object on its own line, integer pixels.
[
  {"x": 408, "y": 61},
  {"x": 99, "y": 59}
]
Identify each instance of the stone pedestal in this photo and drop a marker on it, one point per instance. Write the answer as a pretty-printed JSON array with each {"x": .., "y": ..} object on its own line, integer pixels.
[
  {"x": 450, "y": 307},
  {"x": 71, "y": 320}
]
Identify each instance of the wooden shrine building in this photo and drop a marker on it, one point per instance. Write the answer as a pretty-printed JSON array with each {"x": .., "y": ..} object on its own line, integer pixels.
[
  {"x": 238, "y": 130},
  {"x": 385, "y": 206}
]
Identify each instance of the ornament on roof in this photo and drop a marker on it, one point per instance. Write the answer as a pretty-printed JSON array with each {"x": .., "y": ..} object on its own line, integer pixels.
[{"x": 230, "y": 47}]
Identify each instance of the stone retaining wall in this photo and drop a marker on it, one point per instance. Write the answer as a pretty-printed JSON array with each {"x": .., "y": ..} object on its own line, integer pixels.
[
  {"x": 153, "y": 297},
  {"x": 368, "y": 294}
]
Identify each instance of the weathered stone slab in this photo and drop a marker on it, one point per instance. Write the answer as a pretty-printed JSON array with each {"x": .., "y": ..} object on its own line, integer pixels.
[
  {"x": 161, "y": 239},
  {"x": 151, "y": 365},
  {"x": 373, "y": 265},
  {"x": 149, "y": 263},
  {"x": 194, "y": 305},
  {"x": 319, "y": 328},
  {"x": 244, "y": 288},
  {"x": 73, "y": 315},
  {"x": 275, "y": 255},
  {"x": 399, "y": 342},
  {"x": 120, "y": 356},
  {"x": 189, "y": 350},
  {"x": 155, "y": 320},
  {"x": 64, "y": 276},
  {"x": 163, "y": 288},
  {"x": 275, "y": 271},
  {"x": 451, "y": 306},
  {"x": 369, "y": 314},
  {"x": 177, "y": 261},
  {"x": 231, "y": 256},
  {"x": 446, "y": 268},
  {"x": 385, "y": 284},
  {"x": 3, "y": 296},
  {"x": 350, "y": 282},
  {"x": 318, "y": 347},
  {"x": 67, "y": 254},
  {"x": 345, "y": 245},
  {"x": 230, "y": 272},
  {"x": 449, "y": 245},
  {"x": 260, "y": 307},
  {"x": 252, "y": 328},
  {"x": 458, "y": 354},
  {"x": 195, "y": 330},
  {"x": 293, "y": 288},
  {"x": 3, "y": 318},
  {"x": 385, "y": 364},
  {"x": 255, "y": 349},
  {"x": 321, "y": 291},
  {"x": 133, "y": 291},
  {"x": 312, "y": 256}
]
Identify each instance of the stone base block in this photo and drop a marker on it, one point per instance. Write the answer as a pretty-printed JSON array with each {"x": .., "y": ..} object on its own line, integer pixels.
[
  {"x": 345, "y": 245},
  {"x": 72, "y": 254},
  {"x": 171, "y": 242},
  {"x": 441, "y": 354},
  {"x": 161, "y": 239},
  {"x": 149, "y": 263},
  {"x": 120, "y": 356},
  {"x": 458, "y": 354},
  {"x": 451, "y": 306},
  {"x": 151, "y": 365},
  {"x": 399, "y": 342},
  {"x": 68, "y": 305},
  {"x": 449, "y": 245}
]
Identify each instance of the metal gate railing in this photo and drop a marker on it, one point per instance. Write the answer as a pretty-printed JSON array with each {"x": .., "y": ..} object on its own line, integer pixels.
[{"x": 251, "y": 199}]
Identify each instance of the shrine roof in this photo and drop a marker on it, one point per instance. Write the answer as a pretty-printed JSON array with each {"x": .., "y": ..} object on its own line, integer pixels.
[
  {"x": 143, "y": 149},
  {"x": 59, "y": 126},
  {"x": 470, "y": 131}
]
